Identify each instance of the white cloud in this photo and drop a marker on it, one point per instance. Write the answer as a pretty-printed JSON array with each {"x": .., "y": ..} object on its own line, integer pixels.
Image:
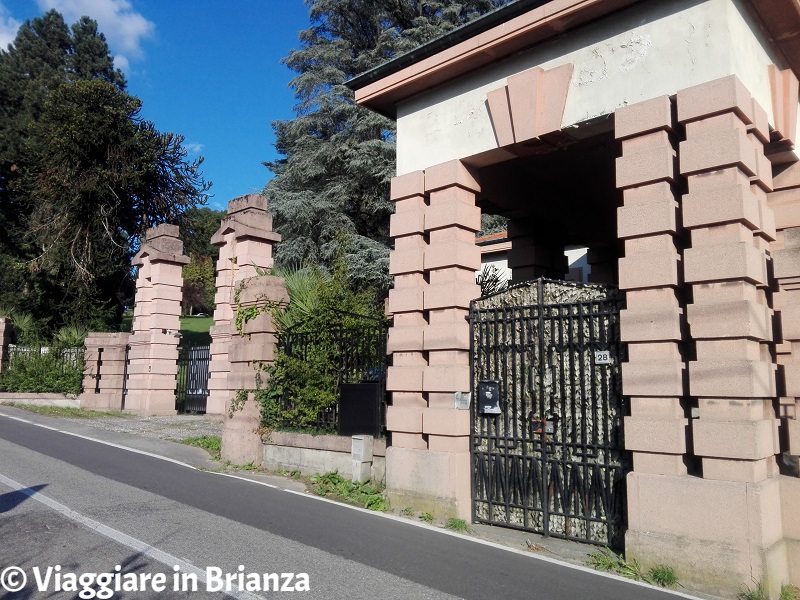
[
  {"x": 123, "y": 27},
  {"x": 8, "y": 27},
  {"x": 122, "y": 63},
  {"x": 193, "y": 148}
]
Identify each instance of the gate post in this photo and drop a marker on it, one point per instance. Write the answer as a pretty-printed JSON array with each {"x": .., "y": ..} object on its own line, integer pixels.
[
  {"x": 156, "y": 323},
  {"x": 729, "y": 511},
  {"x": 534, "y": 253},
  {"x": 245, "y": 240},
  {"x": 785, "y": 201},
  {"x": 428, "y": 463},
  {"x": 654, "y": 376}
]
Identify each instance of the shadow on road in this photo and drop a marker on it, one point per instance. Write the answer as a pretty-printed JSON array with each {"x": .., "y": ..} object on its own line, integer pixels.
[{"x": 11, "y": 500}]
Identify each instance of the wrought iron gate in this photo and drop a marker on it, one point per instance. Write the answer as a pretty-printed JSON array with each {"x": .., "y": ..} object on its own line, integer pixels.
[
  {"x": 193, "y": 370},
  {"x": 126, "y": 376},
  {"x": 547, "y": 445}
]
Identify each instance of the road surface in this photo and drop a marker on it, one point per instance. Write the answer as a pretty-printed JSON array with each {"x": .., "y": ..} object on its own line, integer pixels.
[{"x": 89, "y": 507}]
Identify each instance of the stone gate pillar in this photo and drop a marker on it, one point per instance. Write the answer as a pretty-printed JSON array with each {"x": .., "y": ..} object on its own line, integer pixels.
[
  {"x": 534, "y": 253},
  {"x": 729, "y": 510},
  {"x": 245, "y": 240},
  {"x": 434, "y": 265},
  {"x": 785, "y": 202},
  {"x": 156, "y": 323},
  {"x": 248, "y": 352},
  {"x": 733, "y": 375},
  {"x": 654, "y": 376}
]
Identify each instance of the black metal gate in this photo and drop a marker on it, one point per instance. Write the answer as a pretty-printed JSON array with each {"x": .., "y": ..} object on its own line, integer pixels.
[
  {"x": 125, "y": 376},
  {"x": 547, "y": 410},
  {"x": 193, "y": 370}
]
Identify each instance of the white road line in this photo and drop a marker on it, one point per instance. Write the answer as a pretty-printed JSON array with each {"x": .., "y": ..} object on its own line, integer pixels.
[
  {"x": 121, "y": 538},
  {"x": 91, "y": 439},
  {"x": 373, "y": 513}
]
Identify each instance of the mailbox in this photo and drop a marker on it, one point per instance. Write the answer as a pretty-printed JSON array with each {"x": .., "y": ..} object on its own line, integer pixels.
[{"x": 488, "y": 400}]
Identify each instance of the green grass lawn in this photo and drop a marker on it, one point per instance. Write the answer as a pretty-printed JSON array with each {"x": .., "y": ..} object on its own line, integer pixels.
[
  {"x": 195, "y": 329},
  {"x": 61, "y": 411},
  {"x": 210, "y": 443}
]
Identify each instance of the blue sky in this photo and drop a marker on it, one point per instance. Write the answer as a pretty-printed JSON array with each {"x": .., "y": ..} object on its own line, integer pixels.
[{"x": 209, "y": 70}]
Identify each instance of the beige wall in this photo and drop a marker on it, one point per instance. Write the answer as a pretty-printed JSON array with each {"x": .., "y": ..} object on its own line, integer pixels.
[{"x": 649, "y": 50}]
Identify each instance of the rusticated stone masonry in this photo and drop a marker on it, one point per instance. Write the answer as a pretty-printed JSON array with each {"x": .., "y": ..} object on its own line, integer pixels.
[
  {"x": 156, "y": 323},
  {"x": 245, "y": 240},
  {"x": 433, "y": 264},
  {"x": 104, "y": 371},
  {"x": 654, "y": 376},
  {"x": 730, "y": 318}
]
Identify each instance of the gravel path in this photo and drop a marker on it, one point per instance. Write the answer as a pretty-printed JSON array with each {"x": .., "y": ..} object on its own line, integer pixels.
[{"x": 173, "y": 428}]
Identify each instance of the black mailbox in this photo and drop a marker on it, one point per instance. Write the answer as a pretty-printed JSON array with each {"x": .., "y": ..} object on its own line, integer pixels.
[
  {"x": 360, "y": 409},
  {"x": 488, "y": 400}
]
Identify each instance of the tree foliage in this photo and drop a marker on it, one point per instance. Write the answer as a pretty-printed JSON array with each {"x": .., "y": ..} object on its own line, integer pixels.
[
  {"x": 82, "y": 175},
  {"x": 331, "y": 318},
  {"x": 197, "y": 227},
  {"x": 330, "y": 194}
]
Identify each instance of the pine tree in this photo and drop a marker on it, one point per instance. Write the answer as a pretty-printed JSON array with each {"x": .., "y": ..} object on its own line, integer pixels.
[{"x": 330, "y": 194}]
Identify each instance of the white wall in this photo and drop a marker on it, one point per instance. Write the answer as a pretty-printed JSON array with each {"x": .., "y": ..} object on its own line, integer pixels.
[
  {"x": 576, "y": 258},
  {"x": 652, "y": 49}
]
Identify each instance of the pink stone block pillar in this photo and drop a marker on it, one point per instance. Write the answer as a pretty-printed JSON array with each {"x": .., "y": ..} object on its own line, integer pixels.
[
  {"x": 245, "y": 240},
  {"x": 785, "y": 202},
  {"x": 729, "y": 511},
  {"x": 405, "y": 343},
  {"x": 433, "y": 264},
  {"x": 104, "y": 371},
  {"x": 730, "y": 318},
  {"x": 247, "y": 353},
  {"x": 156, "y": 323},
  {"x": 654, "y": 376}
]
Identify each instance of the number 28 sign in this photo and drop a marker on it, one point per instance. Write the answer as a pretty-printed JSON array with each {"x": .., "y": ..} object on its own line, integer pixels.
[{"x": 602, "y": 357}]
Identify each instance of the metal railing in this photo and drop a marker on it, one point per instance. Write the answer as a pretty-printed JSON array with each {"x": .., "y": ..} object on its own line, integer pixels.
[
  {"x": 357, "y": 347},
  {"x": 66, "y": 358}
]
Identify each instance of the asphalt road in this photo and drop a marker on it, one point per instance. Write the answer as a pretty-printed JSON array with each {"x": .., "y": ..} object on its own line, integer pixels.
[{"x": 106, "y": 506}]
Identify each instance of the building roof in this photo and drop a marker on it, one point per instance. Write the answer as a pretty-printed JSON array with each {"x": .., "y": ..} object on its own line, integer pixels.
[{"x": 520, "y": 25}]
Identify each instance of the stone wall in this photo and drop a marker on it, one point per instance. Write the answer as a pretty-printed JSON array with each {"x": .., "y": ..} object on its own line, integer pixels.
[{"x": 104, "y": 371}]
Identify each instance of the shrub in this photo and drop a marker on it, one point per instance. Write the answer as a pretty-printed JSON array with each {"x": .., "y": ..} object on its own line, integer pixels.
[
  {"x": 56, "y": 370},
  {"x": 323, "y": 314}
]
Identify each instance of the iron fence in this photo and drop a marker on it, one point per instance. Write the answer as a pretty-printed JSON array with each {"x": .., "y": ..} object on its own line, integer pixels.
[
  {"x": 356, "y": 346},
  {"x": 65, "y": 359}
]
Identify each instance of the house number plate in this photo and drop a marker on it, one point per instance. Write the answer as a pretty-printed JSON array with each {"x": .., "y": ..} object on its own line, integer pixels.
[{"x": 602, "y": 357}]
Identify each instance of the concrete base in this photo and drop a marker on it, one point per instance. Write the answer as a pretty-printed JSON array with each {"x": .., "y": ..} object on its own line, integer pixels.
[
  {"x": 317, "y": 454},
  {"x": 435, "y": 482},
  {"x": 217, "y": 402},
  {"x": 101, "y": 401},
  {"x": 241, "y": 440},
  {"x": 59, "y": 400},
  {"x": 736, "y": 528},
  {"x": 790, "y": 502}
]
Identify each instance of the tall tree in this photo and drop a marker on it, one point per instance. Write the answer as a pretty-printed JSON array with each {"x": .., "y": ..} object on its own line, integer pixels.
[
  {"x": 330, "y": 193},
  {"x": 82, "y": 175}
]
